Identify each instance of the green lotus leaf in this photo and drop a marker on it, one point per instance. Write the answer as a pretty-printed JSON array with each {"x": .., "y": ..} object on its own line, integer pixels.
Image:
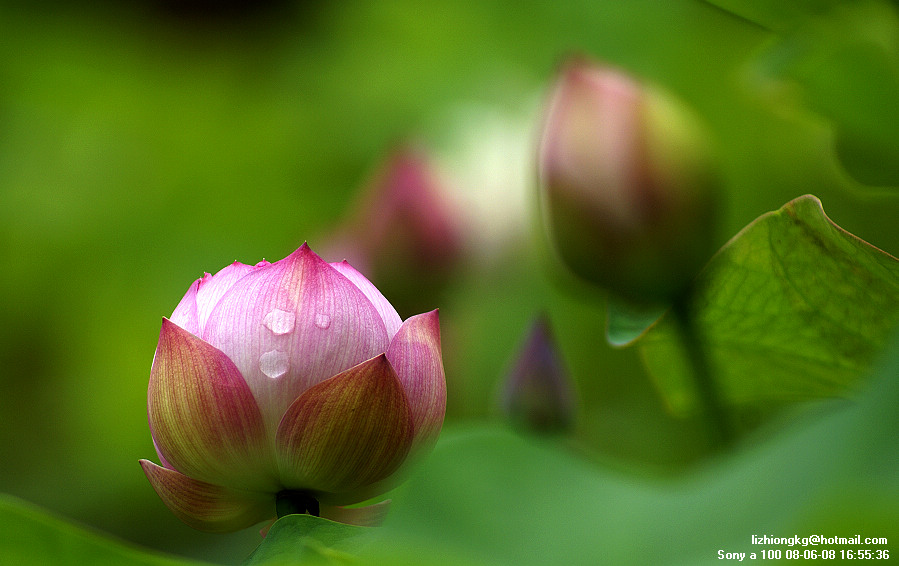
[{"x": 792, "y": 308}]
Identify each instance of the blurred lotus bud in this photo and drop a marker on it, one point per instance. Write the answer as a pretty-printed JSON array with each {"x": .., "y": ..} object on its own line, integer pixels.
[
  {"x": 538, "y": 395},
  {"x": 628, "y": 188},
  {"x": 288, "y": 387},
  {"x": 404, "y": 234}
]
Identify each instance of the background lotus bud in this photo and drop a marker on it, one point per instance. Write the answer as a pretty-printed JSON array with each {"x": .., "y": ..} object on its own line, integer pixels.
[
  {"x": 538, "y": 395},
  {"x": 291, "y": 387},
  {"x": 404, "y": 234},
  {"x": 628, "y": 188}
]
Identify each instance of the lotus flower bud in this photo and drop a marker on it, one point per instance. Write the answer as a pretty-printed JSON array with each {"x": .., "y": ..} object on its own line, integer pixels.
[
  {"x": 538, "y": 395},
  {"x": 404, "y": 234},
  {"x": 628, "y": 188},
  {"x": 288, "y": 387}
]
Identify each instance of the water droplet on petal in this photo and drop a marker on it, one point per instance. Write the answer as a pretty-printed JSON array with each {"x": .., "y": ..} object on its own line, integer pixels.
[
  {"x": 280, "y": 322},
  {"x": 322, "y": 321},
  {"x": 274, "y": 363}
]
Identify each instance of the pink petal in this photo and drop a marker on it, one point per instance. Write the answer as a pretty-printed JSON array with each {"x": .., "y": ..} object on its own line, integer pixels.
[
  {"x": 368, "y": 516},
  {"x": 213, "y": 288},
  {"x": 292, "y": 324},
  {"x": 345, "y": 433},
  {"x": 206, "y": 506},
  {"x": 388, "y": 314},
  {"x": 203, "y": 418},
  {"x": 415, "y": 355},
  {"x": 193, "y": 311},
  {"x": 185, "y": 314},
  {"x": 165, "y": 463}
]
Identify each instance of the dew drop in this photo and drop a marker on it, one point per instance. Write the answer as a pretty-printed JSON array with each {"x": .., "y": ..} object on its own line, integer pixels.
[
  {"x": 280, "y": 322},
  {"x": 322, "y": 321},
  {"x": 274, "y": 363}
]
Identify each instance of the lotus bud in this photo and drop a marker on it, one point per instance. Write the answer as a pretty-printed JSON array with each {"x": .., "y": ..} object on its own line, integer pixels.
[
  {"x": 538, "y": 395},
  {"x": 404, "y": 234},
  {"x": 288, "y": 387},
  {"x": 628, "y": 188}
]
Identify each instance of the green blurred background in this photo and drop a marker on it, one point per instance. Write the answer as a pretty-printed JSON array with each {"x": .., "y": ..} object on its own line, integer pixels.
[{"x": 142, "y": 143}]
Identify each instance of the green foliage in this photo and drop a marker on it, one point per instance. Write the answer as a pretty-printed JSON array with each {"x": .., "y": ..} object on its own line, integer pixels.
[
  {"x": 487, "y": 496},
  {"x": 303, "y": 539},
  {"x": 774, "y": 15},
  {"x": 627, "y": 322},
  {"x": 516, "y": 501},
  {"x": 792, "y": 308},
  {"x": 32, "y": 537},
  {"x": 138, "y": 150},
  {"x": 844, "y": 64}
]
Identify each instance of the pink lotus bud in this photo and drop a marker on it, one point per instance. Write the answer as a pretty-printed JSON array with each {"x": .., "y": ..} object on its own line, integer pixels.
[
  {"x": 404, "y": 234},
  {"x": 538, "y": 395},
  {"x": 628, "y": 188},
  {"x": 288, "y": 387}
]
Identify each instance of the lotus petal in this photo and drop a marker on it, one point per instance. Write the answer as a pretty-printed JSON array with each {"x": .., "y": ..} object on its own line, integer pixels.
[
  {"x": 165, "y": 463},
  {"x": 388, "y": 314},
  {"x": 206, "y": 506},
  {"x": 292, "y": 324},
  {"x": 346, "y": 432},
  {"x": 203, "y": 417},
  {"x": 415, "y": 355},
  {"x": 367, "y": 516},
  {"x": 185, "y": 314},
  {"x": 213, "y": 288}
]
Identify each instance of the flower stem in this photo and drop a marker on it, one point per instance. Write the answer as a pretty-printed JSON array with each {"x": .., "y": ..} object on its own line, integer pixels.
[{"x": 718, "y": 425}]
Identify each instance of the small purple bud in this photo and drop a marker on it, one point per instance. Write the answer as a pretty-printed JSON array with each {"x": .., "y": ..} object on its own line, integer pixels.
[{"x": 538, "y": 395}]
